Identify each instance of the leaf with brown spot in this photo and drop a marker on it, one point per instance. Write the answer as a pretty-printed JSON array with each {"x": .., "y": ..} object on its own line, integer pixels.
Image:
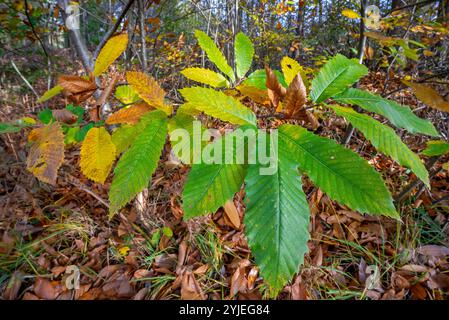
[
  {"x": 275, "y": 90},
  {"x": 149, "y": 90},
  {"x": 64, "y": 116},
  {"x": 47, "y": 152},
  {"x": 429, "y": 96},
  {"x": 129, "y": 115}
]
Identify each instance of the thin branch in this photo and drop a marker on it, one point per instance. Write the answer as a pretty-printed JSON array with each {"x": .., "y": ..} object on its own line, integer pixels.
[
  {"x": 362, "y": 44},
  {"x": 113, "y": 29},
  {"x": 82, "y": 187},
  {"x": 416, "y": 182},
  {"x": 24, "y": 79},
  {"x": 416, "y": 4},
  {"x": 34, "y": 31}
]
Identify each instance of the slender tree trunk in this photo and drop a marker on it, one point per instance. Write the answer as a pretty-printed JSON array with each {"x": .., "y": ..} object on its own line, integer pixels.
[
  {"x": 143, "y": 34},
  {"x": 76, "y": 40}
]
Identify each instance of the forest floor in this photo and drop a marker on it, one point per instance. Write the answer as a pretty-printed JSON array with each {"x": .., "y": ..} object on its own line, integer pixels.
[{"x": 151, "y": 253}]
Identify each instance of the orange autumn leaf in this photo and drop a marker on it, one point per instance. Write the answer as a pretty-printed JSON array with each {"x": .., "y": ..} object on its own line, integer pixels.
[
  {"x": 46, "y": 153},
  {"x": 149, "y": 90},
  {"x": 77, "y": 89},
  {"x": 129, "y": 115},
  {"x": 75, "y": 84}
]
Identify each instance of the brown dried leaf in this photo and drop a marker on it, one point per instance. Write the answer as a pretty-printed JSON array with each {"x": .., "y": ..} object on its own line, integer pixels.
[
  {"x": 13, "y": 287},
  {"x": 48, "y": 290},
  {"x": 77, "y": 89},
  {"x": 46, "y": 153},
  {"x": 142, "y": 273},
  {"x": 232, "y": 214},
  {"x": 75, "y": 84},
  {"x": 419, "y": 292},
  {"x": 296, "y": 98},
  {"x": 414, "y": 268},
  {"x": 433, "y": 250},
  {"x": 239, "y": 283},
  {"x": 190, "y": 289},
  {"x": 129, "y": 115},
  {"x": 64, "y": 115},
  {"x": 252, "y": 277},
  {"x": 298, "y": 290},
  {"x": 275, "y": 90},
  {"x": 429, "y": 96}
]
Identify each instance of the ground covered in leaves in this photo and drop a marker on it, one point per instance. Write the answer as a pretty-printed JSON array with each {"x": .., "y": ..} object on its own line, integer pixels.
[{"x": 149, "y": 252}]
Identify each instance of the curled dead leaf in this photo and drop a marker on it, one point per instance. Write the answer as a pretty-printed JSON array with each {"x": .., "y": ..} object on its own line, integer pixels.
[
  {"x": 77, "y": 89},
  {"x": 64, "y": 116},
  {"x": 276, "y": 91},
  {"x": 296, "y": 98}
]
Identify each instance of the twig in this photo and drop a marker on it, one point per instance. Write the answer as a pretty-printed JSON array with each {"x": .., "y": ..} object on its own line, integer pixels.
[
  {"x": 34, "y": 31},
  {"x": 24, "y": 79},
  {"x": 112, "y": 30},
  {"x": 416, "y": 182},
  {"x": 362, "y": 44},
  {"x": 107, "y": 91},
  {"x": 387, "y": 79},
  {"x": 416, "y": 4},
  {"x": 402, "y": 87},
  {"x": 80, "y": 186},
  {"x": 441, "y": 199}
]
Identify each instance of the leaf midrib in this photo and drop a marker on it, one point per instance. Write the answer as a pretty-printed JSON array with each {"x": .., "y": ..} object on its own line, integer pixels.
[
  {"x": 322, "y": 163},
  {"x": 332, "y": 81}
]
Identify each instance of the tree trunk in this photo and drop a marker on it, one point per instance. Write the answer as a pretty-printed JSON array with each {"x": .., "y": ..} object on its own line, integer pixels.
[{"x": 143, "y": 33}]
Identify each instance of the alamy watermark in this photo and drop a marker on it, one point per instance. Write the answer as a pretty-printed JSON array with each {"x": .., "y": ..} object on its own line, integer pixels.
[
  {"x": 240, "y": 146},
  {"x": 72, "y": 11}
]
